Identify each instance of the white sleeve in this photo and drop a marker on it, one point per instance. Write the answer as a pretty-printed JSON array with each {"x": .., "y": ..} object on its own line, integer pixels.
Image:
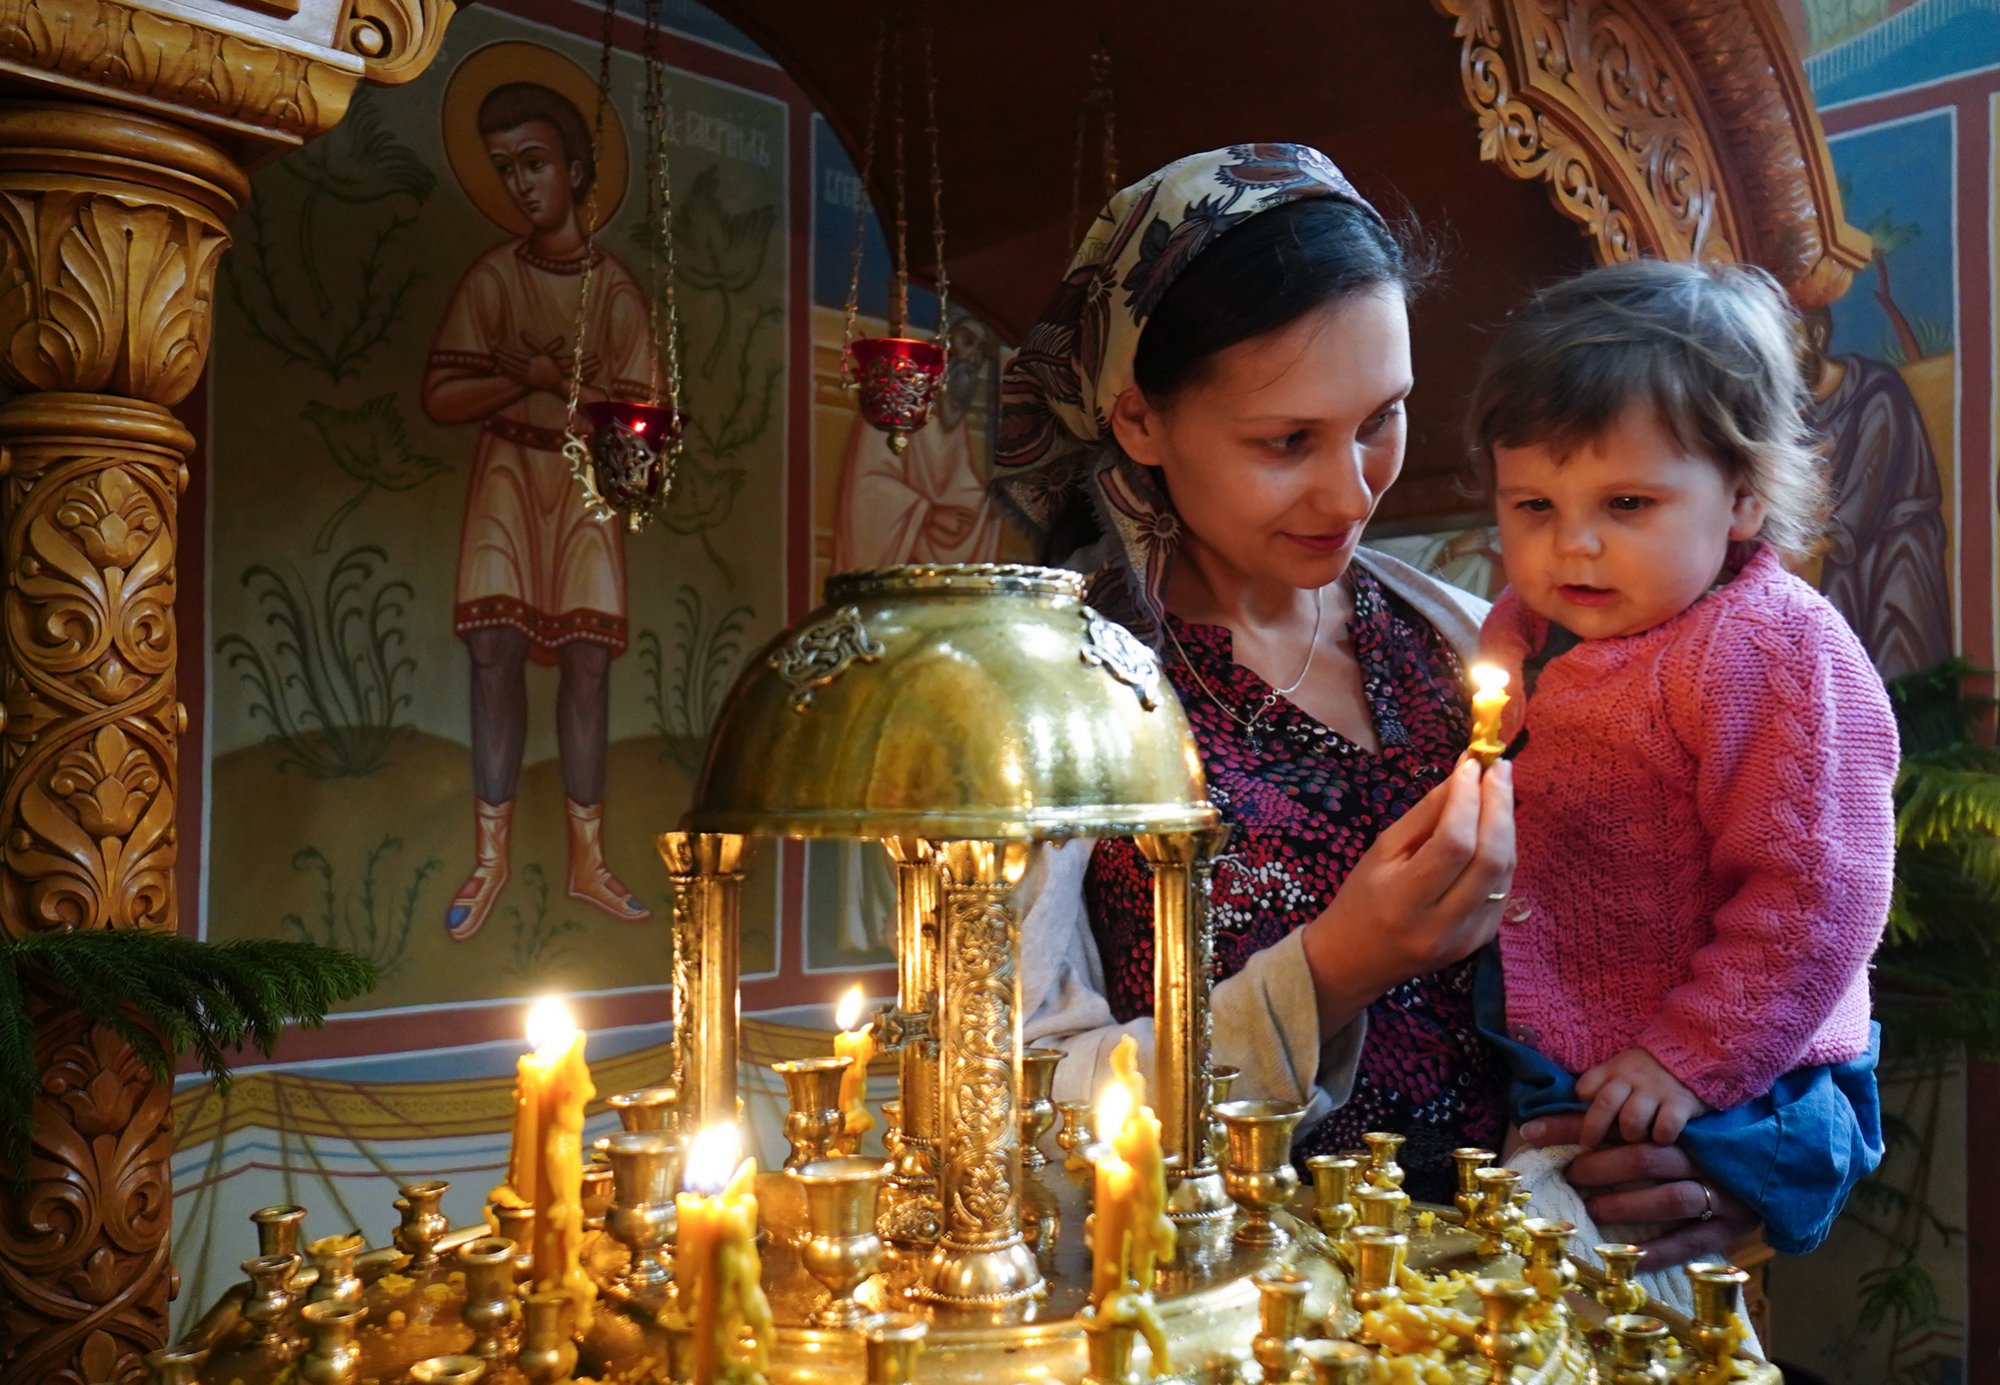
[{"x": 1266, "y": 1016}]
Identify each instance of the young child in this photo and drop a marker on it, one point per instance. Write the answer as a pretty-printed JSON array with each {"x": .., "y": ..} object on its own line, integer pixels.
[{"x": 1703, "y": 754}]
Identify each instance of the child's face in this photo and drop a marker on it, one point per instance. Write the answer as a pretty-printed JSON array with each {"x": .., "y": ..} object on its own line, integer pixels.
[
  {"x": 1625, "y": 533},
  {"x": 541, "y": 181}
]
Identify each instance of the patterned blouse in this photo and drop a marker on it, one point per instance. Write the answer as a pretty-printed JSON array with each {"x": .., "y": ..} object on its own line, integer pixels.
[{"x": 1304, "y": 803}]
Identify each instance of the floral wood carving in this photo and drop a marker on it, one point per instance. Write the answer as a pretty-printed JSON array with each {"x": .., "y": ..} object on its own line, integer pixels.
[
  {"x": 1678, "y": 128},
  {"x": 397, "y": 38}
]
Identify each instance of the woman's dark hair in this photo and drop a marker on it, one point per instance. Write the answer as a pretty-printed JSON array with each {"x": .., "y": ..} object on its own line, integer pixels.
[
  {"x": 1266, "y": 274},
  {"x": 513, "y": 104}
]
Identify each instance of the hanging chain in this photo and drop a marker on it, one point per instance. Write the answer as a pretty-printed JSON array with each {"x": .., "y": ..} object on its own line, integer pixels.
[
  {"x": 573, "y": 442},
  {"x": 1098, "y": 97},
  {"x": 861, "y": 205},
  {"x": 937, "y": 208},
  {"x": 660, "y": 256},
  {"x": 899, "y": 290}
]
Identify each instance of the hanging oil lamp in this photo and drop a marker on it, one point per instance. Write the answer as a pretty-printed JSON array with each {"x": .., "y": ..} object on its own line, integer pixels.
[
  {"x": 899, "y": 377},
  {"x": 623, "y": 459}
]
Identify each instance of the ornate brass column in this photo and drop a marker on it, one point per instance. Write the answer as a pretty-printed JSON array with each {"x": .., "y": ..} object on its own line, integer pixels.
[
  {"x": 707, "y": 871},
  {"x": 982, "y": 1259},
  {"x": 912, "y": 1218},
  {"x": 1183, "y": 960}
]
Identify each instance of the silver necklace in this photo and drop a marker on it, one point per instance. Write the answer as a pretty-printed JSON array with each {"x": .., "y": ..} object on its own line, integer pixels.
[{"x": 1270, "y": 699}]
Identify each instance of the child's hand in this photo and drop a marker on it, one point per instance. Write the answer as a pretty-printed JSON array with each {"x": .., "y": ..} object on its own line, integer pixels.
[{"x": 1642, "y": 1098}]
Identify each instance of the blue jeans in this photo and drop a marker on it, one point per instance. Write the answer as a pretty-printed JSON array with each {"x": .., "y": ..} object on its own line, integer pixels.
[{"x": 1792, "y": 1155}]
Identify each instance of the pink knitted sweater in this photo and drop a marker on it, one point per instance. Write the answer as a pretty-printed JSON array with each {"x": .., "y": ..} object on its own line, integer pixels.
[{"x": 1706, "y": 837}]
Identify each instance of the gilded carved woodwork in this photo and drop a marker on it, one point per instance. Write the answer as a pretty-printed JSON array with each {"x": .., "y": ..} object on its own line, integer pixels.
[
  {"x": 1676, "y": 128},
  {"x": 396, "y": 38}
]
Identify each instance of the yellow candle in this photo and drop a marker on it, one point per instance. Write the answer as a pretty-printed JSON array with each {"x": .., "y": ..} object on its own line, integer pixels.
[
  {"x": 1489, "y": 702},
  {"x": 558, "y": 1079},
  {"x": 717, "y": 1272},
  {"x": 1131, "y": 1234},
  {"x": 858, "y": 1045}
]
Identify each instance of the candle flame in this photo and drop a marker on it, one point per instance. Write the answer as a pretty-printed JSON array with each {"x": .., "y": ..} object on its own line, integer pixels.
[
  {"x": 848, "y": 1016},
  {"x": 712, "y": 1158},
  {"x": 1488, "y": 678},
  {"x": 1114, "y": 1108},
  {"x": 550, "y": 1028}
]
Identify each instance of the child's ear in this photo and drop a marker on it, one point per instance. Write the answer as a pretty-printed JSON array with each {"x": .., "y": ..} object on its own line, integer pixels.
[
  {"x": 1136, "y": 425},
  {"x": 1746, "y": 519},
  {"x": 576, "y": 177}
]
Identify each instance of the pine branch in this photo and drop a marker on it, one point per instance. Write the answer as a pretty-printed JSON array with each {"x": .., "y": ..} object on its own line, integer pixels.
[{"x": 165, "y": 995}]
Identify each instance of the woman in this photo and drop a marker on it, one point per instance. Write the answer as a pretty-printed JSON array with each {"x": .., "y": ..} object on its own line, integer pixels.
[{"x": 1214, "y": 404}]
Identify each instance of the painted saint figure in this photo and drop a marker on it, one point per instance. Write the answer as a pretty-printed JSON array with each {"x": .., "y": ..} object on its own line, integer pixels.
[{"x": 538, "y": 579}]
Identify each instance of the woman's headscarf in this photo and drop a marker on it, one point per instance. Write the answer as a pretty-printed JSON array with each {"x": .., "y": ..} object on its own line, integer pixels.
[{"x": 1056, "y": 448}]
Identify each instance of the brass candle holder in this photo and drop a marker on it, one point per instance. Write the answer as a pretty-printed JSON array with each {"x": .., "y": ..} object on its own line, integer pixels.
[
  {"x": 598, "y": 1189},
  {"x": 842, "y": 1249},
  {"x": 1638, "y": 1347},
  {"x": 548, "y": 1354},
  {"x": 1281, "y": 1309},
  {"x": 1549, "y": 1269},
  {"x": 1333, "y": 1177},
  {"x": 1503, "y": 1336},
  {"x": 1111, "y": 1342},
  {"x": 892, "y": 1343},
  {"x": 1718, "y": 1325},
  {"x": 1468, "y": 1162},
  {"x": 176, "y": 1365},
  {"x": 1378, "y": 1259},
  {"x": 812, "y": 1086},
  {"x": 1383, "y": 1171},
  {"x": 1388, "y": 1208},
  {"x": 645, "y": 1167},
  {"x": 333, "y": 1259},
  {"x": 423, "y": 1225},
  {"x": 332, "y": 1355},
  {"x": 1621, "y": 1292},
  {"x": 1221, "y": 1082},
  {"x": 1037, "y": 1112},
  {"x": 1074, "y": 1134},
  {"x": 1258, "y": 1173},
  {"x": 448, "y": 1370},
  {"x": 1497, "y": 1219},
  {"x": 269, "y": 1300},
  {"x": 648, "y": 1108},
  {"x": 279, "y": 1229},
  {"x": 515, "y": 1223},
  {"x": 1339, "y": 1363},
  {"x": 491, "y": 1305}
]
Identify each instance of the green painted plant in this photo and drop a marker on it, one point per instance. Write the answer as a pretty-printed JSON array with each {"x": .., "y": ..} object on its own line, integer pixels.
[
  {"x": 688, "y": 683},
  {"x": 538, "y": 939},
  {"x": 370, "y": 444},
  {"x": 330, "y": 684},
  {"x": 367, "y": 921}
]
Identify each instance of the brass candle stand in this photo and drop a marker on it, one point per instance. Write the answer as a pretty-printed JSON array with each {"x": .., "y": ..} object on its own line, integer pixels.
[
  {"x": 812, "y": 1086},
  {"x": 962, "y": 716}
]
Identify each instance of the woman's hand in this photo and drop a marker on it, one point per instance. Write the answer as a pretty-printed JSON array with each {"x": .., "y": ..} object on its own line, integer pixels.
[
  {"x": 1423, "y": 897},
  {"x": 1650, "y": 1183}
]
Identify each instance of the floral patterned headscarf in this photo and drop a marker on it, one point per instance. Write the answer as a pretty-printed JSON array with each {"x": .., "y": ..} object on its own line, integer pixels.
[{"x": 1056, "y": 449}]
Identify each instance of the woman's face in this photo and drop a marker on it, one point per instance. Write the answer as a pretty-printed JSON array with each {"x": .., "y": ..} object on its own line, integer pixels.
[
  {"x": 529, "y": 159},
  {"x": 1278, "y": 455}
]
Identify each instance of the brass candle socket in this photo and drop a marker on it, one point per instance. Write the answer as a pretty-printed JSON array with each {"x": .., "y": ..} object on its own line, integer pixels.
[
  {"x": 491, "y": 1305},
  {"x": 269, "y": 1301},
  {"x": 1386, "y": 1207},
  {"x": 1334, "y": 1177},
  {"x": 279, "y": 1229},
  {"x": 1257, "y": 1171},
  {"x": 1281, "y": 1308},
  {"x": 1621, "y": 1292},
  {"x": 423, "y": 1224},
  {"x": 332, "y": 1356},
  {"x": 1502, "y": 1336},
  {"x": 1110, "y": 1343},
  {"x": 1638, "y": 1347},
  {"x": 333, "y": 1258},
  {"x": 448, "y": 1370},
  {"x": 517, "y": 1224},
  {"x": 179, "y": 1365},
  {"x": 1383, "y": 1171},
  {"x": 842, "y": 1249},
  {"x": 1718, "y": 1298},
  {"x": 1037, "y": 1112},
  {"x": 648, "y": 1108},
  {"x": 812, "y": 1086},
  {"x": 645, "y": 1167},
  {"x": 1221, "y": 1081},
  {"x": 598, "y": 1185},
  {"x": 893, "y": 1342},
  {"x": 1497, "y": 1219},
  {"x": 1075, "y": 1134},
  {"x": 1339, "y": 1363},
  {"x": 1469, "y": 1161},
  {"x": 548, "y": 1354},
  {"x": 1378, "y": 1259},
  {"x": 1549, "y": 1268}
]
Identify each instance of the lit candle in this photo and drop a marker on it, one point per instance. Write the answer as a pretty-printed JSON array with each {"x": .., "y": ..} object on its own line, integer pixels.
[
  {"x": 857, "y": 1045},
  {"x": 545, "y": 1169},
  {"x": 1131, "y": 1233},
  {"x": 1489, "y": 702},
  {"x": 717, "y": 1273}
]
